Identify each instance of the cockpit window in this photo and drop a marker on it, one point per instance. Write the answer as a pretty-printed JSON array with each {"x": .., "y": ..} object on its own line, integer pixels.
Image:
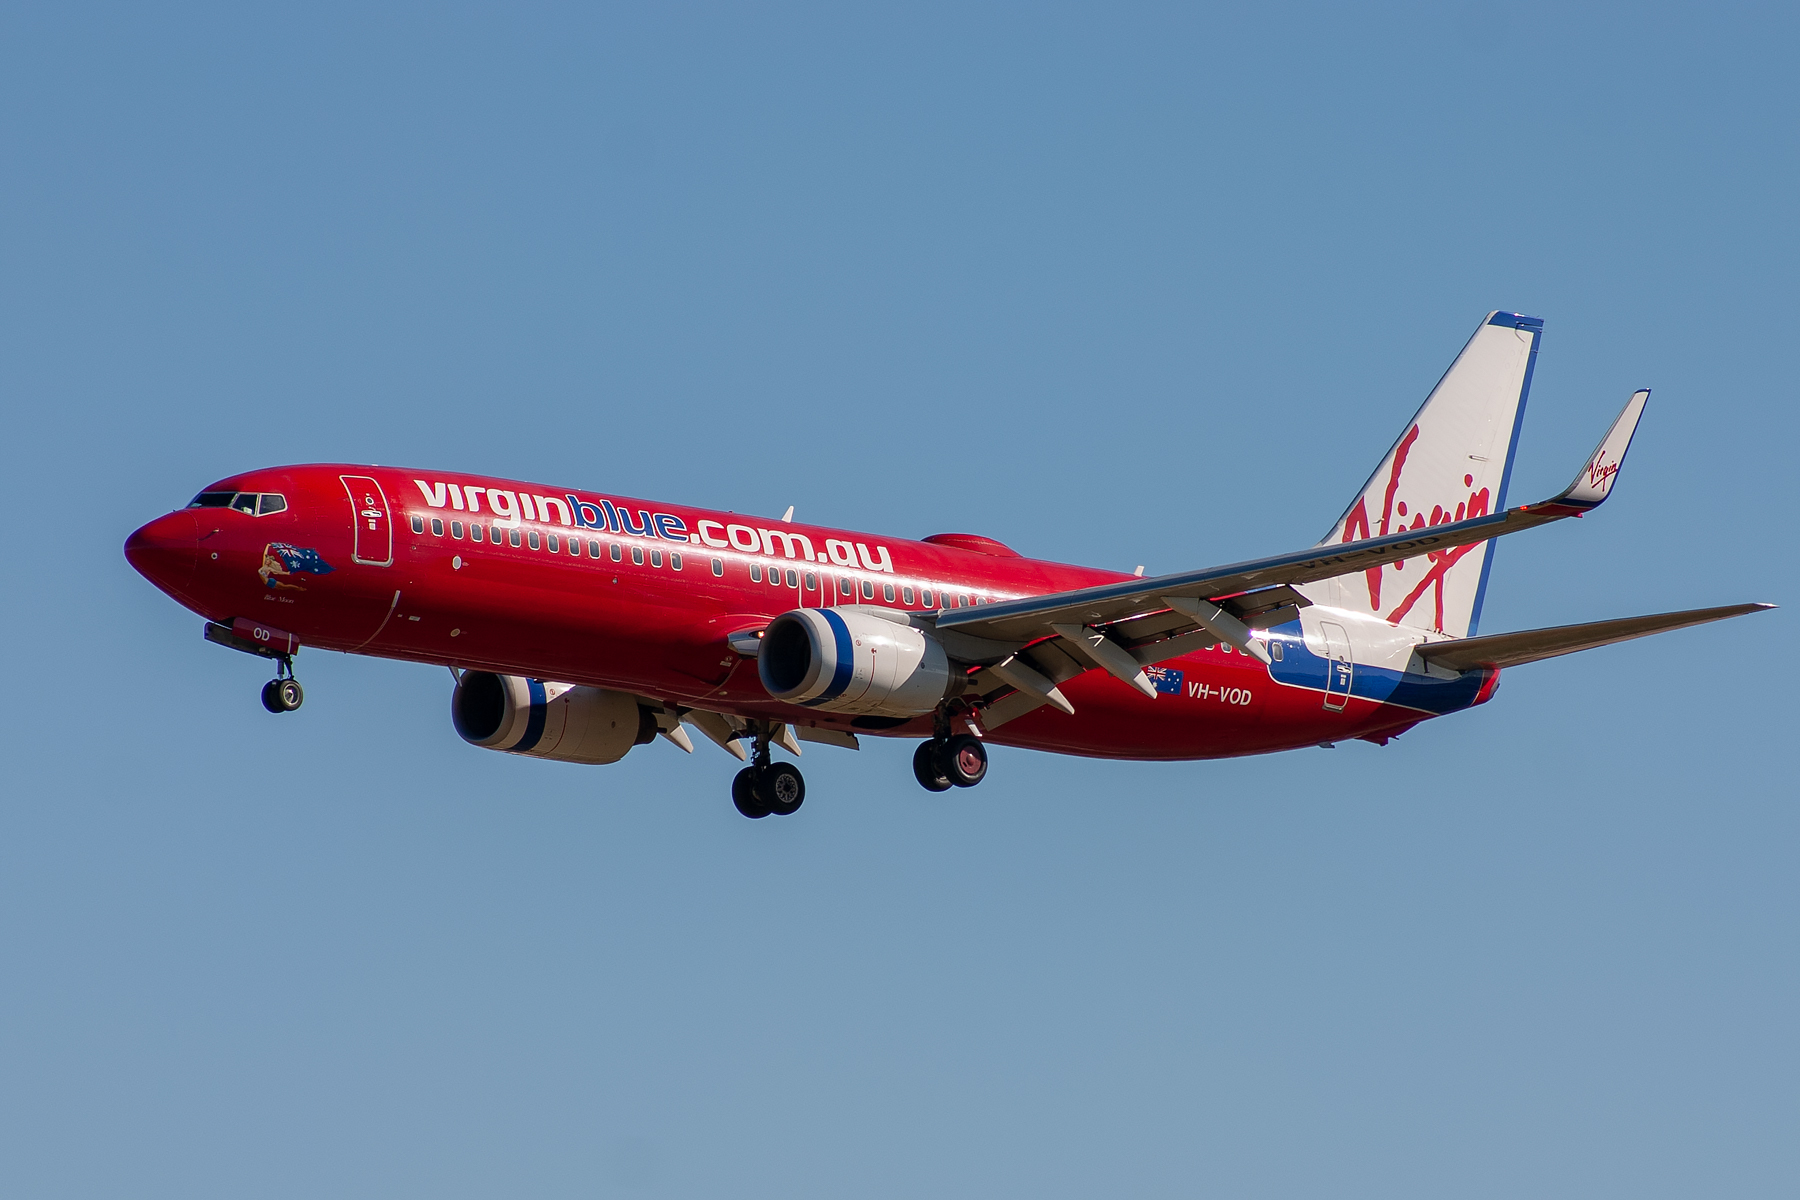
[{"x": 257, "y": 504}]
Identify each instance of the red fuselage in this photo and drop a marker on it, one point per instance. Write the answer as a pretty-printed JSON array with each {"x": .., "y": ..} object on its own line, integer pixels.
[{"x": 624, "y": 594}]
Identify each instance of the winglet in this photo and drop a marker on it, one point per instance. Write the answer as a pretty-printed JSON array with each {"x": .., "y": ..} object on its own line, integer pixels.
[{"x": 1596, "y": 479}]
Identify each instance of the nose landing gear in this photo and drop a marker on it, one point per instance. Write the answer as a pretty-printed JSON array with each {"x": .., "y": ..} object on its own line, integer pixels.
[
  {"x": 766, "y": 788},
  {"x": 283, "y": 693}
]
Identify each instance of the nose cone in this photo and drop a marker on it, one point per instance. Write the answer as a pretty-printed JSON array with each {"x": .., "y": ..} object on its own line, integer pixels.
[{"x": 165, "y": 550}]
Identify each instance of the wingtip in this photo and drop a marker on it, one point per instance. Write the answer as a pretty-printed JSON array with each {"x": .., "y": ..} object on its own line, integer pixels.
[{"x": 1595, "y": 481}]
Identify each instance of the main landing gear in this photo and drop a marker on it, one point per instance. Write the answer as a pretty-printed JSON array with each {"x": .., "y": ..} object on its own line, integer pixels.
[
  {"x": 947, "y": 762},
  {"x": 767, "y": 788},
  {"x": 283, "y": 693}
]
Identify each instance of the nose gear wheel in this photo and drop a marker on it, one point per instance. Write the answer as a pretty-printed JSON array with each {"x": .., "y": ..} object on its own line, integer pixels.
[{"x": 283, "y": 693}]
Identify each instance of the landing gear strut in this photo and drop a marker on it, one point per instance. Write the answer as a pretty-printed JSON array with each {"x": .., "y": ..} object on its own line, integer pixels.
[
  {"x": 283, "y": 693},
  {"x": 766, "y": 788}
]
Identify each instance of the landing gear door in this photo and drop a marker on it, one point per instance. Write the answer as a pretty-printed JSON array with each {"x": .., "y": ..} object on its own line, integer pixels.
[
  {"x": 1339, "y": 670},
  {"x": 374, "y": 530}
]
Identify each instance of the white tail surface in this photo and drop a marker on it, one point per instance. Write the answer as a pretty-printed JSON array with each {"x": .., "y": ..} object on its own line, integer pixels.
[{"x": 1452, "y": 462}]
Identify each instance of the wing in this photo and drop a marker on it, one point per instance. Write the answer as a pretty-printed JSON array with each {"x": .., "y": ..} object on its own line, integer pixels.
[{"x": 1035, "y": 643}]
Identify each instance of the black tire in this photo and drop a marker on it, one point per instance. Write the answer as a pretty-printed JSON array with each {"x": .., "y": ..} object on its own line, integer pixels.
[
  {"x": 963, "y": 760},
  {"x": 289, "y": 694},
  {"x": 782, "y": 788},
  {"x": 926, "y": 770},
  {"x": 744, "y": 795},
  {"x": 270, "y": 698}
]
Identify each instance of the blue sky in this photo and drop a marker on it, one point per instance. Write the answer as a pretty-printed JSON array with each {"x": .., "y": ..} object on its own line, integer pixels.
[{"x": 1151, "y": 286}]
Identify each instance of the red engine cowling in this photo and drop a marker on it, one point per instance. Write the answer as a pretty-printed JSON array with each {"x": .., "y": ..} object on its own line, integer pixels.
[{"x": 564, "y": 721}]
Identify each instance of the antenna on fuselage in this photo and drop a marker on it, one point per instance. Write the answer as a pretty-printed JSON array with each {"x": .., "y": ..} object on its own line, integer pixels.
[{"x": 789, "y": 514}]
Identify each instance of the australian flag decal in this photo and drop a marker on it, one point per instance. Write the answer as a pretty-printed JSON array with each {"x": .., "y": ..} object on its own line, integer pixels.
[
  {"x": 1166, "y": 679},
  {"x": 301, "y": 561},
  {"x": 281, "y": 562}
]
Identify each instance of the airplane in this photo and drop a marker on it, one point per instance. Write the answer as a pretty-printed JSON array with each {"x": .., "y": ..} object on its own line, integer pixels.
[{"x": 579, "y": 625}]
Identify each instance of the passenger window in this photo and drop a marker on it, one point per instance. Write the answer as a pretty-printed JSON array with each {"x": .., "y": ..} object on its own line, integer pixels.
[
  {"x": 555, "y": 544},
  {"x": 418, "y": 524},
  {"x": 718, "y": 565},
  {"x": 674, "y": 560},
  {"x": 637, "y": 555},
  {"x": 962, "y": 601},
  {"x": 906, "y": 595},
  {"x": 437, "y": 527},
  {"x": 476, "y": 533},
  {"x": 846, "y": 587},
  {"x": 887, "y": 592},
  {"x": 456, "y": 529},
  {"x": 981, "y": 599},
  {"x": 656, "y": 558},
  {"x": 271, "y": 502},
  {"x": 925, "y": 598},
  {"x": 512, "y": 536},
  {"x": 533, "y": 536},
  {"x": 812, "y": 581},
  {"x": 868, "y": 590},
  {"x": 793, "y": 579},
  {"x": 593, "y": 549},
  {"x": 613, "y": 550},
  {"x": 245, "y": 502},
  {"x": 755, "y": 572}
]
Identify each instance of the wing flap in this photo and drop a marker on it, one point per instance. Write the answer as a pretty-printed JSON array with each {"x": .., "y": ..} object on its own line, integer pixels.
[{"x": 1532, "y": 645}]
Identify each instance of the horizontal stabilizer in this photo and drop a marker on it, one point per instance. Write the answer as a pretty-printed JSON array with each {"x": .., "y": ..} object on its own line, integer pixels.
[{"x": 1512, "y": 649}]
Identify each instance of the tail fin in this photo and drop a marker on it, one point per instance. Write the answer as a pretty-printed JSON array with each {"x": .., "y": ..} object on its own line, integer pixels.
[{"x": 1453, "y": 461}]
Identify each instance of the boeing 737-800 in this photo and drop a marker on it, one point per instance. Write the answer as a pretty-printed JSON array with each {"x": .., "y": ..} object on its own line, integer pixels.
[{"x": 580, "y": 624}]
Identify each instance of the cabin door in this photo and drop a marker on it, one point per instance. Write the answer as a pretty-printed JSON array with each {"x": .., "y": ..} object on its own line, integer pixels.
[{"x": 370, "y": 517}]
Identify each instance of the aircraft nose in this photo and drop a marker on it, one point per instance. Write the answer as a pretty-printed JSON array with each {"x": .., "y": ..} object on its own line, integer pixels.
[{"x": 165, "y": 550}]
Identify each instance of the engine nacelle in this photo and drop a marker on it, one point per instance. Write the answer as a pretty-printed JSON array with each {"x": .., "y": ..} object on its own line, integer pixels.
[
  {"x": 564, "y": 721},
  {"x": 841, "y": 660}
]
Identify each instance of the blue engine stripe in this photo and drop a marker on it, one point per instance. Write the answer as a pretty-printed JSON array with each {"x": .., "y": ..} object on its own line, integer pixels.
[
  {"x": 534, "y": 725},
  {"x": 846, "y": 656}
]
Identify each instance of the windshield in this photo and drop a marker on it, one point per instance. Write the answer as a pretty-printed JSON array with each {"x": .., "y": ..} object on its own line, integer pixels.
[{"x": 257, "y": 504}]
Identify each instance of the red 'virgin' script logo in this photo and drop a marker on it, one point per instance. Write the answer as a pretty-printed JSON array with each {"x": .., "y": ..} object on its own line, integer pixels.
[{"x": 1357, "y": 527}]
